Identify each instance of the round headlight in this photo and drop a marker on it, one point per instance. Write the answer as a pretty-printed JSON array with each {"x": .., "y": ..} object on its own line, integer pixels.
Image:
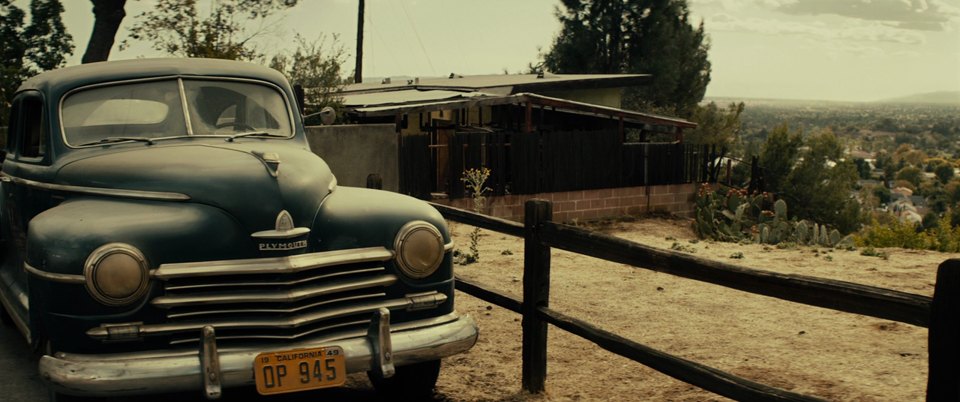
[
  {"x": 419, "y": 248},
  {"x": 116, "y": 274}
]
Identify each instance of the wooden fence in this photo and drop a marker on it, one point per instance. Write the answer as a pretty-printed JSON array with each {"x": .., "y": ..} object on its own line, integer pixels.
[
  {"x": 550, "y": 161},
  {"x": 941, "y": 313}
]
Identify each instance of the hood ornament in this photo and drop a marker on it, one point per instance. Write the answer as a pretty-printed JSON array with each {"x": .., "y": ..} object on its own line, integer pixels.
[
  {"x": 271, "y": 160},
  {"x": 276, "y": 239}
]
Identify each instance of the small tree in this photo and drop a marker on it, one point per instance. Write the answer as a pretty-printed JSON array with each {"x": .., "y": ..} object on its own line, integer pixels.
[
  {"x": 779, "y": 155},
  {"x": 716, "y": 125},
  {"x": 25, "y": 50},
  {"x": 317, "y": 66},
  {"x": 820, "y": 187},
  {"x": 175, "y": 28}
]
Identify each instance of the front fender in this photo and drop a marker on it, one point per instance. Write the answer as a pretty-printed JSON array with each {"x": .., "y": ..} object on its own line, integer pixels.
[
  {"x": 60, "y": 239},
  {"x": 356, "y": 217}
]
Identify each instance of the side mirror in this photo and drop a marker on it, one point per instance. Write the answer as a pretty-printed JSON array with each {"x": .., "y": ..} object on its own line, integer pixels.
[{"x": 300, "y": 95}]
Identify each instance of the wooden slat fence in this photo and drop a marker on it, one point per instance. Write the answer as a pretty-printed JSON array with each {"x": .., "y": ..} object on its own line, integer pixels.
[
  {"x": 551, "y": 161},
  {"x": 941, "y": 313}
]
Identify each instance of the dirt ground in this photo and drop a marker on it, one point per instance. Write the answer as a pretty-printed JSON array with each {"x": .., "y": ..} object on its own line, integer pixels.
[{"x": 823, "y": 353}]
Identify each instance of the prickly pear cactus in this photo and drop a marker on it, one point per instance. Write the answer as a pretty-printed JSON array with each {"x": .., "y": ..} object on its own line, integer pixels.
[
  {"x": 834, "y": 237},
  {"x": 738, "y": 216},
  {"x": 802, "y": 232},
  {"x": 780, "y": 209}
]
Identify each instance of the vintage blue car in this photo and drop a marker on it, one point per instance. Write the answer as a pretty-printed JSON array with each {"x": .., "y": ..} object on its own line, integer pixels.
[{"x": 165, "y": 227}]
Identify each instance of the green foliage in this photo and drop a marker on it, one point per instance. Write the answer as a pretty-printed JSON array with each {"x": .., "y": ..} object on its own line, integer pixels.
[
  {"x": 871, "y": 252},
  {"x": 317, "y": 67},
  {"x": 716, "y": 126},
  {"x": 737, "y": 216},
  {"x": 647, "y": 36},
  {"x": 911, "y": 174},
  {"x": 819, "y": 186},
  {"x": 944, "y": 172},
  {"x": 25, "y": 50},
  {"x": 778, "y": 155},
  {"x": 174, "y": 27},
  {"x": 475, "y": 180},
  {"x": 940, "y": 237}
]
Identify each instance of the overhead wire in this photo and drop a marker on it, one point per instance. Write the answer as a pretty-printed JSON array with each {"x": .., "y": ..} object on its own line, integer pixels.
[{"x": 417, "y": 34}]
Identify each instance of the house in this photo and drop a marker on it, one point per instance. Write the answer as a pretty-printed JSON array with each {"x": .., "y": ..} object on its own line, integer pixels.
[{"x": 560, "y": 137}]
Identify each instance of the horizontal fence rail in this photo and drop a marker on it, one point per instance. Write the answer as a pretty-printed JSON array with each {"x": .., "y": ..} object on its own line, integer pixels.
[
  {"x": 835, "y": 295},
  {"x": 941, "y": 313}
]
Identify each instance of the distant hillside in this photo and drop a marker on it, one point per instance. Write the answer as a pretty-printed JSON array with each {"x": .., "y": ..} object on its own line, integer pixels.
[{"x": 939, "y": 98}]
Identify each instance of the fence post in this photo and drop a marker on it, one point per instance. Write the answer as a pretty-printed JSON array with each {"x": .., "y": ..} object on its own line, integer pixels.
[
  {"x": 943, "y": 382},
  {"x": 536, "y": 293}
]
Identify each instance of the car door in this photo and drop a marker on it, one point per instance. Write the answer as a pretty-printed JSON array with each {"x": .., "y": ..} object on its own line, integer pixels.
[{"x": 27, "y": 160}]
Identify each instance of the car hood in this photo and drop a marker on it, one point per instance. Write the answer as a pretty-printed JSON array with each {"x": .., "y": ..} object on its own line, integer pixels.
[{"x": 238, "y": 178}]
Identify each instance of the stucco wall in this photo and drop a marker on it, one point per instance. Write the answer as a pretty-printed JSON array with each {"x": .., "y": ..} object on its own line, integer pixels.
[
  {"x": 357, "y": 150},
  {"x": 677, "y": 199}
]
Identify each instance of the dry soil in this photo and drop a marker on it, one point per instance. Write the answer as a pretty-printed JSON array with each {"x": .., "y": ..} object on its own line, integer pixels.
[{"x": 823, "y": 353}]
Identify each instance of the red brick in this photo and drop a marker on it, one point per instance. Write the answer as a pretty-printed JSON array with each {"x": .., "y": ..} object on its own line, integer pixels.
[
  {"x": 611, "y": 202},
  {"x": 605, "y": 193}
]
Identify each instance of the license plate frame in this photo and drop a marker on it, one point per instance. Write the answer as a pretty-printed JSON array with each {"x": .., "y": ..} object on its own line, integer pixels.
[{"x": 297, "y": 370}]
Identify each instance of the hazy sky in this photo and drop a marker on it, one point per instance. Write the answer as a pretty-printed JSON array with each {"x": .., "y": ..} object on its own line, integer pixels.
[{"x": 857, "y": 50}]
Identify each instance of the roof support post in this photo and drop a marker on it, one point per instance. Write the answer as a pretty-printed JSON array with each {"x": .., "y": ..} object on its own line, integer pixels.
[
  {"x": 623, "y": 136},
  {"x": 528, "y": 119}
]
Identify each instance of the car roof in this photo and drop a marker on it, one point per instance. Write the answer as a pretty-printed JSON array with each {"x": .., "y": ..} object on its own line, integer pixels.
[{"x": 57, "y": 82}]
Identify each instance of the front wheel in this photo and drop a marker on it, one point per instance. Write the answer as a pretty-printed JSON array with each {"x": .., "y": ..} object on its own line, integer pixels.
[{"x": 414, "y": 382}]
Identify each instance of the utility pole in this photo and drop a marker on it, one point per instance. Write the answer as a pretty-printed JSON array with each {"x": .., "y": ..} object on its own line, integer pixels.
[{"x": 358, "y": 70}]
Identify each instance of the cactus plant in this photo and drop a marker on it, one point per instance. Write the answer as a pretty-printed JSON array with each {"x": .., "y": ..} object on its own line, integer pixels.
[
  {"x": 737, "y": 216},
  {"x": 780, "y": 209},
  {"x": 802, "y": 232}
]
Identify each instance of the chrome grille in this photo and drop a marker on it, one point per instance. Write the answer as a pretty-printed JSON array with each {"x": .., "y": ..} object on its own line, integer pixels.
[{"x": 289, "y": 298}]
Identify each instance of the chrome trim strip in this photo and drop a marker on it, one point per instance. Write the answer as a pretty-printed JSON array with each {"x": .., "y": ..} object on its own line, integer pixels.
[
  {"x": 183, "y": 104},
  {"x": 180, "y": 370},
  {"x": 112, "y": 192},
  {"x": 280, "y": 322},
  {"x": 448, "y": 247},
  {"x": 223, "y": 285},
  {"x": 55, "y": 277},
  {"x": 280, "y": 234},
  {"x": 276, "y": 310},
  {"x": 6, "y": 303},
  {"x": 273, "y": 265},
  {"x": 277, "y": 296},
  {"x": 346, "y": 334}
]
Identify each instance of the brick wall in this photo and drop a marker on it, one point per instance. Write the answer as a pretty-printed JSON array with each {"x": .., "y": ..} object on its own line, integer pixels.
[{"x": 677, "y": 199}]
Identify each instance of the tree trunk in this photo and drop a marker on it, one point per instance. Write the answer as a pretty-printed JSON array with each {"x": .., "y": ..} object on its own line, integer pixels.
[{"x": 107, "y": 17}]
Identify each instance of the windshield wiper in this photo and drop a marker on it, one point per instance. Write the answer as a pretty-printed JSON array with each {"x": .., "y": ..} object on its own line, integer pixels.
[
  {"x": 111, "y": 140},
  {"x": 255, "y": 134}
]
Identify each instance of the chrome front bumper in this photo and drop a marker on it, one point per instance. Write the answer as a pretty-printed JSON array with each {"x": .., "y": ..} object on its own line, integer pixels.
[{"x": 162, "y": 371}]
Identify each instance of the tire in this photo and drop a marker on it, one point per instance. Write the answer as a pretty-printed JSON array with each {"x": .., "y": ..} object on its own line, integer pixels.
[{"x": 414, "y": 382}]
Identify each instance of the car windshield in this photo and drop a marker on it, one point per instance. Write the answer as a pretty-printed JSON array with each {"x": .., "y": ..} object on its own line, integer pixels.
[{"x": 155, "y": 110}]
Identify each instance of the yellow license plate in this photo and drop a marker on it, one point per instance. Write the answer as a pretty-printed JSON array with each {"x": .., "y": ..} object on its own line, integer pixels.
[{"x": 299, "y": 370}]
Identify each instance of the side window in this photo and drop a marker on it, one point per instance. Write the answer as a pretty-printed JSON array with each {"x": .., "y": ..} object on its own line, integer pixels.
[
  {"x": 34, "y": 138},
  {"x": 11, "y": 133}
]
